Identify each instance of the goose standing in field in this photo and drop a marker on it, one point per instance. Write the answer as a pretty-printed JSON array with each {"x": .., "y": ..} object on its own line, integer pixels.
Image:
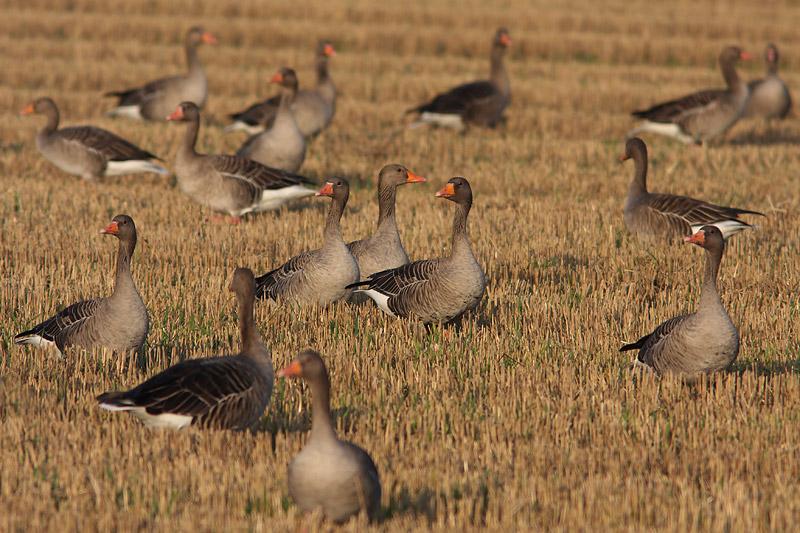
[
  {"x": 329, "y": 474},
  {"x": 384, "y": 250},
  {"x": 282, "y": 145},
  {"x": 769, "y": 97},
  {"x": 231, "y": 184},
  {"x": 700, "y": 342},
  {"x": 319, "y": 276},
  {"x": 434, "y": 290},
  {"x": 155, "y": 100},
  {"x": 313, "y": 109},
  {"x": 668, "y": 215},
  {"x": 227, "y": 392},
  {"x": 479, "y": 103},
  {"x": 118, "y": 322},
  {"x": 703, "y": 115},
  {"x": 88, "y": 151}
]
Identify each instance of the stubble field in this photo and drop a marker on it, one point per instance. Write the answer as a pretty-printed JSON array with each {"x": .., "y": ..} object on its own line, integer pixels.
[{"x": 525, "y": 418}]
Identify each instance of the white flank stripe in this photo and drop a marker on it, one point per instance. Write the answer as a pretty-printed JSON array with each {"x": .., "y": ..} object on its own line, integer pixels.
[
  {"x": 727, "y": 227},
  {"x": 134, "y": 166},
  {"x": 273, "y": 199},
  {"x": 243, "y": 126},
  {"x": 381, "y": 300},
  {"x": 442, "y": 119},
  {"x": 670, "y": 130},
  {"x": 165, "y": 420},
  {"x": 130, "y": 111}
]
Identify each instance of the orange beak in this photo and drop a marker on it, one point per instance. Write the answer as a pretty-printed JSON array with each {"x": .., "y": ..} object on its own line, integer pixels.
[
  {"x": 111, "y": 229},
  {"x": 27, "y": 110},
  {"x": 745, "y": 56},
  {"x": 448, "y": 191},
  {"x": 294, "y": 370},
  {"x": 326, "y": 190},
  {"x": 505, "y": 40},
  {"x": 623, "y": 157},
  {"x": 698, "y": 238},
  {"x": 414, "y": 178},
  {"x": 176, "y": 115},
  {"x": 276, "y": 78},
  {"x": 328, "y": 50},
  {"x": 208, "y": 38}
]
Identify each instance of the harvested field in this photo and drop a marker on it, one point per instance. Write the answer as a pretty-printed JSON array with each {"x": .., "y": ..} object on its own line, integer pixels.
[{"x": 525, "y": 418}]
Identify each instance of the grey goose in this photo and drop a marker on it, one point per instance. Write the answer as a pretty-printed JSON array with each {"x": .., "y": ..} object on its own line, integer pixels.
[
  {"x": 668, "y": 215},
  {"x": 329, "y": 474},
  {"x": 156, "y": 99},
  {"x": 700, "y": 342},
  {"x": 88, "y": 151},
  {"x": 434, "y": 290},
  {"x": 704, "y": 115},
  {"x": 118, "y": 322},
  {"x": 227, "y": 392},
  {"x": 479, "y": 103},
  {"x": 230, "y": 184},
  {"x": 769, "y": 96}
]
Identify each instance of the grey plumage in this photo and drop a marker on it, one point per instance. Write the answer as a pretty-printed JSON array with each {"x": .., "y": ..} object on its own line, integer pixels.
[
  {"x": 769, "y": 96},
  {"x": 319, "y": 276},
  {"x": 667, "y": 215},
  {"x": 700, "y": 342},
  {"x": 157, "y": 99},
  {"x": 329, "y": 474},
  {"x": 434, "y": 290},
  {"x": 228, "y": 392},
  {"x": 118, "y": 322}
]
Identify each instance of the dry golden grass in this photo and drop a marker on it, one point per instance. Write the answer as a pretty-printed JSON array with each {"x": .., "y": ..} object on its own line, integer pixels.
[{"x": 527, "y": 418}]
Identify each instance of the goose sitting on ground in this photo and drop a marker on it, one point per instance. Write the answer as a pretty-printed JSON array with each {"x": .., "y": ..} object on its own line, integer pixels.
[
  {"x": 769, "y": 97},
  {"x": 155, "y": 100},
  {"x": 313, "y": 109},
  {"x": 231, "y": 184},
  {"x": 668, "y": 215},
  {"x": 384, "y": 250},
  {"x": 703, "y": 115},
  {"x": 282, "y": 145},
  {"x": 118, "y": 322},
  {"x": 434, "y": 290},
  {"x": 332, "y": 475},
  {"x": 228, "y": 392},
  {"x": 319, "y": 276},
  {"x": 480, "y": 103},
  {"x": 700, "y": 342},
  {"x": 88, "y": 151}
]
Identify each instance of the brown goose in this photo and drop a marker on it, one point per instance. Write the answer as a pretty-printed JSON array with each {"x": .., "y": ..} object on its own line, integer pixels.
[
  {"x": 231, "y": 184},
  {"x": 383, "y": 250},
  {"x": 668, "y": 215},
  {"x": 158, "y": 98},
  {"x": 282, "y": 145},
  {"x": 699, "y": 342},
  {"x": 703, "y": 115},
  {"x": 319, "y": 276},
  {"x": 434, "y": 290},
  {"x": 87, "y": 151},
  {"x": 332, "y": 475},
  {"x": 769, "y": 97},
  {"x": 313, "y": 109},
  {"x": 228, "y": 392},
  {"x": 479, "y": 103},
  {"x": 118, "y": 322}
]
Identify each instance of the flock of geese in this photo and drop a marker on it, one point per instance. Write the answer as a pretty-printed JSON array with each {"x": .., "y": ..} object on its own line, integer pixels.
[{"x": 232, "y": 391}]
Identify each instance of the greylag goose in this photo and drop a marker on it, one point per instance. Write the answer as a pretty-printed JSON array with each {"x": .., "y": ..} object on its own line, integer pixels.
[
  {"x": 282, "y": 145},
  {"x": 703, "y": 115},
  {"x": 434, "y": 290},
  {"x": 769, "y": 97},
  {"x": 319, "y": 276},
  {"x": 227, "y": 392},
  {"x": 699, "y": 342},
  {"x": 332, "y": 475},
  {"x": 313, "y": 109},
  {"x": 383, "y": 250},
  {"x": 480, "y": 103},
  {"x": 157, "y": 99},
  {"x": 88, "y": 151},
  {"x": 668, "y": 215},
  {"x": 118, "y": 322},
  {"x": 231, "y": 184}
]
